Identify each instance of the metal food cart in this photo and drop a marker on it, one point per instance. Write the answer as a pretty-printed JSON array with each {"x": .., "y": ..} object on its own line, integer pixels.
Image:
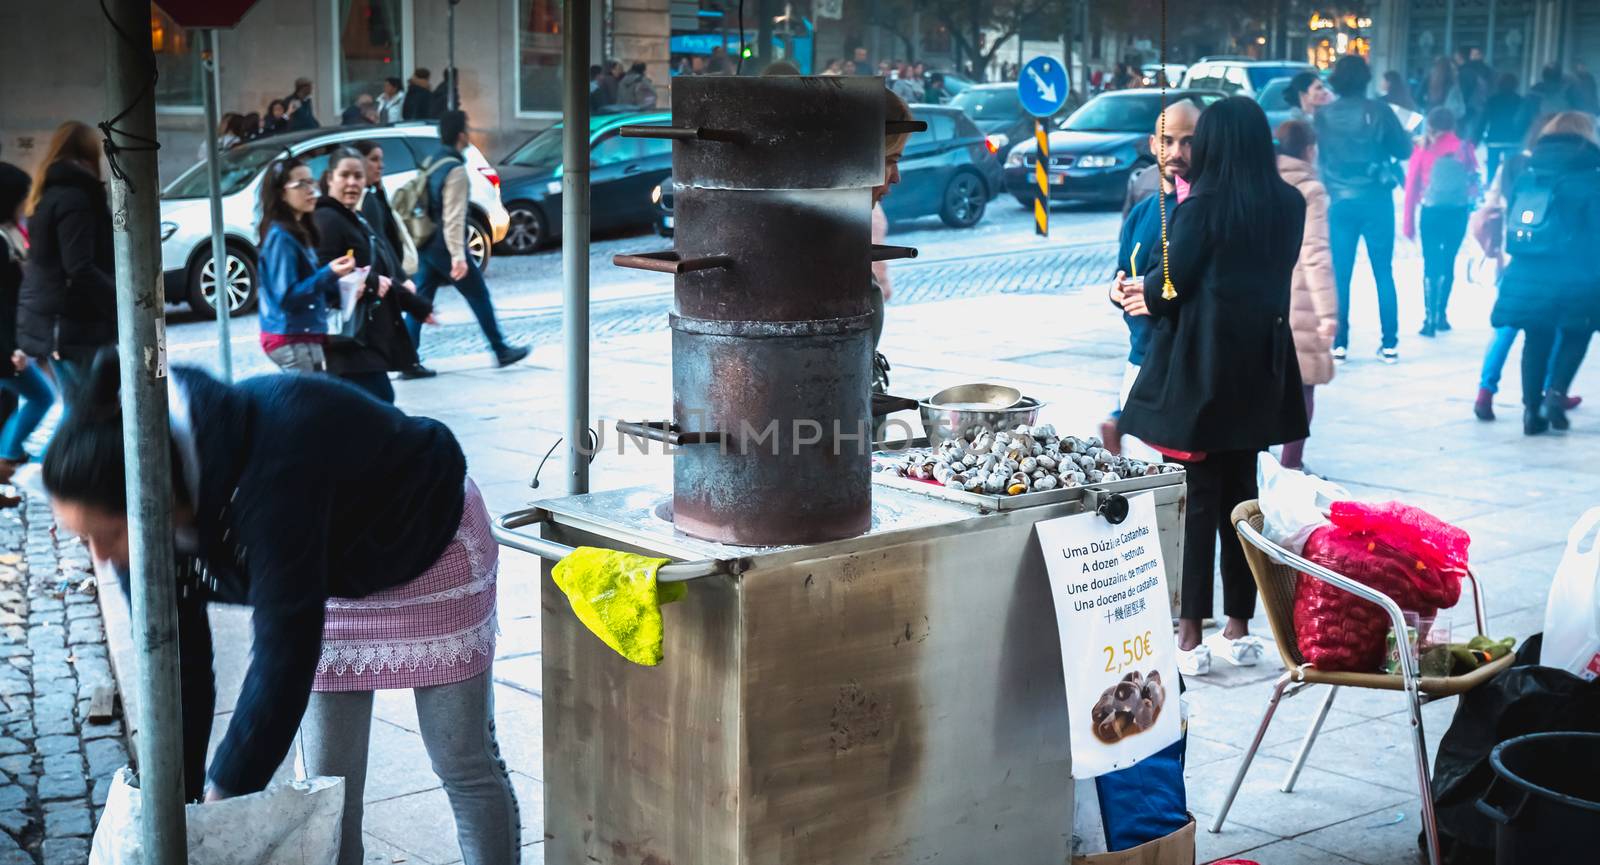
[{"x": 864, "y": 669}]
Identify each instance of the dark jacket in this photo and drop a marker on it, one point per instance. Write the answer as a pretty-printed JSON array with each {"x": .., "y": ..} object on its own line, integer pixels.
[
  {"x": 302, "y": 118},
  {"x": 1500, "y": 119},
  {"x": 68, "y": 299},
  {"x": 384, "y": 344},
  {"x": 379, "y": 214},
  {"x": 1142, "y": 227},
  {"x": 1357, "y": 141},
  {"x": 1562, "y": 290},
  {"x": 1220, "y": 373},
  {"x": 307, "y": 490},
  {"x": 417, "y": 103},
  {"x": 11, "y": 261}
]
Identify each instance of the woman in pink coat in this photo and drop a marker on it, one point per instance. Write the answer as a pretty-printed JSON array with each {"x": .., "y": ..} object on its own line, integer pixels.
[{"x": 1314, "y": 298}]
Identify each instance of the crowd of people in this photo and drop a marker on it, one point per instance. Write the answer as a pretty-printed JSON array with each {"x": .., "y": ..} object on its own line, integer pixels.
[
  {"x": 611, "y": 89},
  {"x": 1250, "y": 312},
  {"x": 396, "y": 101}
]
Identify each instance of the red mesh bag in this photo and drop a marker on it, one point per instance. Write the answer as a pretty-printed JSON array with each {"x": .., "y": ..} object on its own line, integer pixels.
[{"x": 1406, "y": 553}]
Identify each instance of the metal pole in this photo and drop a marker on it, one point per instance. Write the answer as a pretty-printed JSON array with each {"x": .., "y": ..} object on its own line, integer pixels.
[
  {"x": 1488, "y": 36},
  {"x": 141, "y": 342},
  {"x": 575, "y": 239},
  {"x": 1449, "y": 27},
  {"x": 221, "y": 274},
  {"x": 453, "y": 84}
]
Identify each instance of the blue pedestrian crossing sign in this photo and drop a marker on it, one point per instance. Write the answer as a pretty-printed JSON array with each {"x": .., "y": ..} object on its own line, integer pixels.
[{"x": 1042, "y": 86}]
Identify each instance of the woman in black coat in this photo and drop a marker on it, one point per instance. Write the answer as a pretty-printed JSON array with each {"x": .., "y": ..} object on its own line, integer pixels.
[
  {"x": 1220, "y": 382},
  {"x": 382, "y": 344},
  {"x": 67, "y": 306},
  {"x": 1550, "y": 290}
]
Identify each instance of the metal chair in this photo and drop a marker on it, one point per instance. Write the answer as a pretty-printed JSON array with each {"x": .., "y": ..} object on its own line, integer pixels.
[{"x": 1276, "y": 570}]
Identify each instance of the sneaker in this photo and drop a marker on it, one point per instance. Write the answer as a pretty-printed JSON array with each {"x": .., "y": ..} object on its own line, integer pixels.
[
  {"x": 1389, "y": 355},
  {"x": 511, "y": 355},
  {"x": 1245, "y": 651},
  {"x": 1340, "y": 354},
  {"x": 416, "y": 371},
  {"x": 1195, "y": 662}
]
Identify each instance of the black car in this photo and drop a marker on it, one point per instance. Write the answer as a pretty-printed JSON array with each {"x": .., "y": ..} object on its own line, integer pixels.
[
  {"x": 948, "y": 171},
  {"x": 1097, "y": 147},
  {"x": 622, "y": 172},
  {"x": 998, "y": 111}
]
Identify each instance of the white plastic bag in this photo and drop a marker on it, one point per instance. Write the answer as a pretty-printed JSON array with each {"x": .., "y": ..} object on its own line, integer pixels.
[
  {"x": 297, "y": 823},
  {"x": 1293, "y": 503},
  {"x": 1572, "y": 615}
]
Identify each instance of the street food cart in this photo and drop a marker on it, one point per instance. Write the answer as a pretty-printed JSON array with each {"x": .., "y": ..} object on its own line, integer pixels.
[{"x": 865, "y": 668}]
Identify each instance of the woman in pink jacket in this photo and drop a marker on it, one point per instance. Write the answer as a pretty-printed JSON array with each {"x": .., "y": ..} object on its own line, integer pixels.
[
  {"x": 1443, "y": 179},
  {"x": 1314, "y": 297}
]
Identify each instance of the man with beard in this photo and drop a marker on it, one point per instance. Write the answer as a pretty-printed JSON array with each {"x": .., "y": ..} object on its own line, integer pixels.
[{"x": 1139, "y": 249}]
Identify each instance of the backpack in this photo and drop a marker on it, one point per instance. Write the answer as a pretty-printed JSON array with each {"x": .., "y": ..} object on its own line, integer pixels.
[
  {"x": 413, "y": 201},
  {"x": 1451, "y": 183},
  {"x": 1533, "y": 224}
]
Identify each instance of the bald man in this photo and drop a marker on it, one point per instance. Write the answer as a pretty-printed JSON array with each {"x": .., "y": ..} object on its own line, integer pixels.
[{"x": 1141, "y": 231}]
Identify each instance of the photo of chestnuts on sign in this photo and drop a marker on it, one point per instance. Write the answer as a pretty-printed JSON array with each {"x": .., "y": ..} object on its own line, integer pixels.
[{"x": 1129, "y": 707}]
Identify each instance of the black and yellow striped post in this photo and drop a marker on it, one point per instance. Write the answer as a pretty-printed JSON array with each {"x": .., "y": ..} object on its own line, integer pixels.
[{"x": 1041, "y": 205}]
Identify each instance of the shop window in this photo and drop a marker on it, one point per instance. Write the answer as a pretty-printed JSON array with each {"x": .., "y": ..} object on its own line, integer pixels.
[
  {"x": 177, "y": 62},
  {"x": 369, "y": 47},
  {"x": 538, "y": 56}
]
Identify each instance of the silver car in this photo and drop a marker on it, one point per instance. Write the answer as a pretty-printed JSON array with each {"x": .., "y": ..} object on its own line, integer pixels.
[{"x": 186, "y": 214}]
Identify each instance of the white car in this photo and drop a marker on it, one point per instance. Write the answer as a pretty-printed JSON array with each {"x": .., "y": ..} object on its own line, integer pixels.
[{"x": 186, "y": 211}]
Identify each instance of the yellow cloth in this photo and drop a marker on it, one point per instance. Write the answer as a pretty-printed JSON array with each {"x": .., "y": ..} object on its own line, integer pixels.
[{"x": 616, "y": 596}]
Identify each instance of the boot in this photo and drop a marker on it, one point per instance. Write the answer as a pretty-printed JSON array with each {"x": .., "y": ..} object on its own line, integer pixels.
[
  {"x": 1440, "y": 322},
  {"x": 1427, "y": 306},
  {"x": 1484, "y": 407},
  {"x": 1532, "y": 423},
  {"x": 1555, "y": 410}
]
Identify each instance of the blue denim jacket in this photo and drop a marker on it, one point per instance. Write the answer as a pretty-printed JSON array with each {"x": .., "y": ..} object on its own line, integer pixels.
[{"x": 295, "y": 293}]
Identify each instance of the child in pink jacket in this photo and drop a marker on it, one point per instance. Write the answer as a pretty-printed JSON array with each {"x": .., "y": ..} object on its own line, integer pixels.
[{"x": 1443, "y": 179}]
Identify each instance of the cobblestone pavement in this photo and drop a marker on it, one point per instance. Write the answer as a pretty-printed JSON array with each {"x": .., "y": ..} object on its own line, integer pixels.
[{"x": 56, "y": 764}]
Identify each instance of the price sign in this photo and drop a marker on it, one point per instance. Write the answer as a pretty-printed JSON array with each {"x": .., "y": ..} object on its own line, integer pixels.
[{"x": 1117, "y": 649}]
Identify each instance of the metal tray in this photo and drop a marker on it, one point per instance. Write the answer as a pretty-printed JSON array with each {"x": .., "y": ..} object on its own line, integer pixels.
[{"x": 995, "y": 502}]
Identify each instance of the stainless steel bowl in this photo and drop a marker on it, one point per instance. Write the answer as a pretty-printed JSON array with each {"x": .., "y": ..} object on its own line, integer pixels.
[
  {"x": 942, "y": 422},
  {"x": 977, "y": 397}
]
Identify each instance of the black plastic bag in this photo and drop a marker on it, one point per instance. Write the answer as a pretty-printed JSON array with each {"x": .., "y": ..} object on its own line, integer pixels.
[{"x": 1525, "y": 698}]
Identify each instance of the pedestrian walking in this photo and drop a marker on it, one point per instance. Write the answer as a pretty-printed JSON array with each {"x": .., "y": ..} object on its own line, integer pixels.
[
  {"x": 295, "y": 295},
  {"x": 18, "y": 375},
  {"x": 252, "y": 126},
  {"x": 900, "y": 82},
  {"x": 1314, "y": 298},
  {"x": 391, "y": 103},
  {"x": 1397, "y": 92},
  {"x": 936, "y": 92},
  {"x": 1501, "y": 134},
  {"x": 636, "y": 88},
  {"x": 597, "y": 92},
  {"x": 1139, "y": 252},
  {"x": 1549, "y": 291},
  {"x": 301, "y": 116},
  {"x": 376, "y": 343},
  {"x": 1305, "y": 94},
  {"x": 418, "y": 96},
  {"x": 380, "y": 214},
  {"x": 1220, "y": 382},
  {"x": 861, "y": 62},
  {"x": 1442, "y": 177},
  {"x": 363, "y": 112},
  {"x": 363, "y": 548},
  {"x": 277, "y": 119},
  {"x": 443, "y": 255},
  {"x": 1549, "y": 97},
  {"x": 1358, "y": 141},
  {"x": 1488, "y": 227},
  {"x": 1444, "y": 90},
  {"x": 67, "y": 303}
]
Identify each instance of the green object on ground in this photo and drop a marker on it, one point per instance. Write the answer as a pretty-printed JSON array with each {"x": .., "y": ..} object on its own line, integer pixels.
[{"x": 616, "y": 596}]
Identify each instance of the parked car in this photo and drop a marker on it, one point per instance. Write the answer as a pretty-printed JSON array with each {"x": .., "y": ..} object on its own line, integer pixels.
[
  {"x": 1097, "y": 147},
  {"x": 1271, "y": 99},
  {"x": 948, "y": 171},
  {"x": 186, "y": 210},
  {"x": 998, "y": 112},
  {"x": 622, "y": 171},
  {"x": 1175, "y": 73},
  {"x": 1240, "y": 77}
]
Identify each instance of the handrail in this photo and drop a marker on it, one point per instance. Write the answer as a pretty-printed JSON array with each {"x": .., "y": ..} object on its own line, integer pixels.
[{"x": 504, "y": 531}]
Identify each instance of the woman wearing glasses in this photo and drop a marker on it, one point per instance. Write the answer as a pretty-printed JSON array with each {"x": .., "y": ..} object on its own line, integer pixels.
[{"x": 295, "y": 293}]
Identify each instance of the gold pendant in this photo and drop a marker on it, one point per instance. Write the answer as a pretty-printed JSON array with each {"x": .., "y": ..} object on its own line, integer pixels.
[{"x": 1167, "y": 291}]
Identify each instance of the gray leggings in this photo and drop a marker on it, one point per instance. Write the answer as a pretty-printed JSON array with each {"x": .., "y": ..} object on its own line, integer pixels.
[{"x": 457, "y": 723}]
